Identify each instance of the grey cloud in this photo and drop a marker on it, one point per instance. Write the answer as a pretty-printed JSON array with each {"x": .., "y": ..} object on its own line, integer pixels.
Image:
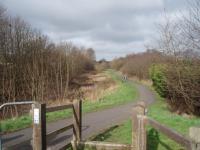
[{"x": 112, "y": 27}]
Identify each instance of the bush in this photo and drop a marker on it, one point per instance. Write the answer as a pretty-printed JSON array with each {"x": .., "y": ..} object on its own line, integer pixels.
[
  {"x": 117, "y": 64},
  {"x": 138, "y": 65},
  {"x": 183, "y": 83},
  {"x": 102, "y": 65},
  {"x": 157, "y": 74},
  {"x": 179, "y": 83}
]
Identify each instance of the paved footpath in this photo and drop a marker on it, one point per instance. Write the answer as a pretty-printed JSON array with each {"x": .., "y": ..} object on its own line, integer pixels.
[{"x": 93, "y": 123}]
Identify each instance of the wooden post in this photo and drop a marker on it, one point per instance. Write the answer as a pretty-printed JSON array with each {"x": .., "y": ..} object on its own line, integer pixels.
[
  {"x": 79, "y": 114},
  {"x": 77, "y": 121},
  {"x": 0, "y": 143},
  {"x": 138, "y": 127},
  {"x": 39, "y": 126},
  {"x": 194, "y": 133}
]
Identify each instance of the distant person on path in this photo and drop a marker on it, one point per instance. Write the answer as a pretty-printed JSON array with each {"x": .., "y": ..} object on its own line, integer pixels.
[{"x": 124, "y": 78}]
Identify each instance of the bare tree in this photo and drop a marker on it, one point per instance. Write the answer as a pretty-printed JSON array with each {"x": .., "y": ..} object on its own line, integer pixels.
[
  {"x": 179, "y": 39},
  {"x": 33, "y": 68}
]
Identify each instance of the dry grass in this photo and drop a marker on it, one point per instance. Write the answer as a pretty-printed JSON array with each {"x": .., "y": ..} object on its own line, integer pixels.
[
  {"x": 92, "y": 86},
  {"x": 100, "y": 85},
  {"x": 124, "y": 93}
]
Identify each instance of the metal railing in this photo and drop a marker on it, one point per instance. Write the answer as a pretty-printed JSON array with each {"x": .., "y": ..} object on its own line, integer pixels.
[
  {"x": 10, "y": 104},
  {"x": 17, "y": 103},
  {"x": 39, "y": 136}
]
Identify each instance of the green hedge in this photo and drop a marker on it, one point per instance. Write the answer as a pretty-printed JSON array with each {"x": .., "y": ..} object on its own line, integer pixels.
[{"x": 157, "y": 74}]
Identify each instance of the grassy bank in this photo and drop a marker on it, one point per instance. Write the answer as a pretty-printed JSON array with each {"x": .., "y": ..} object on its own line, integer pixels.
[
  {"x": 156, "y": 141},
  {"x": 125, "y": 93},
  {"x": 160, "y": 112},
  {"x": 117, "y": 134}
]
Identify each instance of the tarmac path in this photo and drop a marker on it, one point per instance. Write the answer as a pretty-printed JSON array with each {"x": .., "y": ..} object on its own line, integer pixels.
[{"x": 93, "y": 123}]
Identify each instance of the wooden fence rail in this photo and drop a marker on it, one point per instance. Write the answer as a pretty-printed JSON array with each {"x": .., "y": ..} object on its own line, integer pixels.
[
  {"x": 57, "y": 108},
  {"x": 177, "y": 137},
  {"x": 139, "y": 136},
  {"x": 96, "y": 145},
  {"x": 54, "y": 133},
  {"x": 39, "y": 140},
  {"x": 139, "y": 132}
]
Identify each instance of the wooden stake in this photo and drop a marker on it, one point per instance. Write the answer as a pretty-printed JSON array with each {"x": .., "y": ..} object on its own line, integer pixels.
[
  {"x": 39, "y": 126},
  {"x": 138, "y": 127},
  {"x": 194, "y": 133}
]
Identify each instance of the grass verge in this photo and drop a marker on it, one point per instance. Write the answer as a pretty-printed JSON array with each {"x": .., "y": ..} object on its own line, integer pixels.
[
  {"x": 125, "y": 93},
  {"x": 116, "y": 134},
  {"x": 160, "y": 112},
  {"x": 156, "y": 140}
]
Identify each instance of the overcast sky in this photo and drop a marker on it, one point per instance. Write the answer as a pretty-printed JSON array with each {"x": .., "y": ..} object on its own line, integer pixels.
[{"x": 112, "y": 27}]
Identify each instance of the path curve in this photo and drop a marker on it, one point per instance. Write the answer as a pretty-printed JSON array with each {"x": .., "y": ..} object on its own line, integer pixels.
[{"x": 93, "y": 123}]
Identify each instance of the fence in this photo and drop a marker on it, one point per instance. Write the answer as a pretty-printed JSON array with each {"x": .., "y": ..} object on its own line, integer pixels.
[
  {"x": 140, "y": 121},
  {"x": 11, "y": 104},
  {"x": 139, "y": 135},
  {"x": 39, "y": 125},
  {"x": 39, "y": 137}
]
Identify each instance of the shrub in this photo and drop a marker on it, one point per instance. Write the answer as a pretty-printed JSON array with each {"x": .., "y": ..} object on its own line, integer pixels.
[
  {"x": 179, "y": 83},
  {"x": 183, "y": 83},
  {"x": 117, "y": 64},
  {"x": 102, "y": 65},
  {"x": 157, "y": 74},
  {"x": 138, "y": 64}
]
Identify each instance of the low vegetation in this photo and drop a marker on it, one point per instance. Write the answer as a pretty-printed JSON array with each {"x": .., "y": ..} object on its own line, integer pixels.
[
  {"x": 102, "y": 65},
  {"x": 124, "y": 93},
  {"x": 158, "y": 78},
  {"x": 138, "y": 64},
  {"x": 180, "y": 123},
  {"x": 179, "y": 85},
  {"x": 117, "y": 134},
  {"x": 156, "y": 140},
  {"x": 95, "y": 86}
]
